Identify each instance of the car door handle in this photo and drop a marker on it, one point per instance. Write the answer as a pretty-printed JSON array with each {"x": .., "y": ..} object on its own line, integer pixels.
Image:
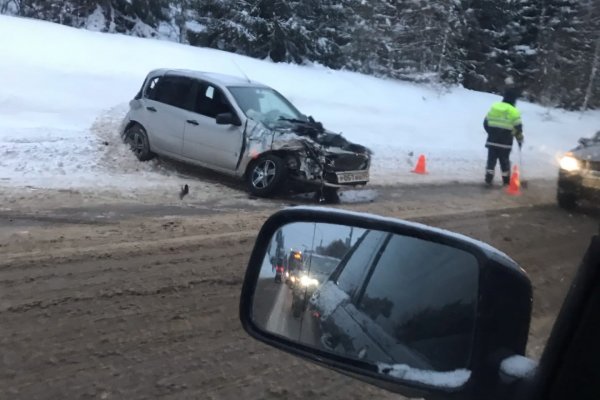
[
  {"x": 192, "y": 121},
  {"x": 151, "y": 109}
]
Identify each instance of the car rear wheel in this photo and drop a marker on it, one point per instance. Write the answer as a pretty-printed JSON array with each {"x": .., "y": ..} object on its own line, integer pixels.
[
  {"x": 566, "y": 200},
  {"x": 266, "y": 175},
  {"x": 136, "y": 138}
]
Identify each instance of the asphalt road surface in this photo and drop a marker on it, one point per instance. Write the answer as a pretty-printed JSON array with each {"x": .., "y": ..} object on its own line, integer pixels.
[{"x": 111, "y": 301}]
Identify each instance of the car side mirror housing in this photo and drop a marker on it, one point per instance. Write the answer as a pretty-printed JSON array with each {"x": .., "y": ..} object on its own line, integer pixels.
[
  {"x": 228, "y": 119},
  {"x": 413, "y": 309}
]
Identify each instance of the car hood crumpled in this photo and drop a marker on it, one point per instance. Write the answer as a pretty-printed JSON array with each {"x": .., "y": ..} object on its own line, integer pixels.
[{"x": 285, "y": 135}]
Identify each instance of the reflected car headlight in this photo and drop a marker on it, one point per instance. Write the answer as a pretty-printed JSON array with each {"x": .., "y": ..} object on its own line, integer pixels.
[
  {"x": 307, "y": 281},
  {"x": 569, "y": 163}
]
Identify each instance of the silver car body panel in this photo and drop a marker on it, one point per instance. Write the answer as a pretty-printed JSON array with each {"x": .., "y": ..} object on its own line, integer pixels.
[
  {"x": 216, "y": 145},
  {"x": 164, "y": 126}
]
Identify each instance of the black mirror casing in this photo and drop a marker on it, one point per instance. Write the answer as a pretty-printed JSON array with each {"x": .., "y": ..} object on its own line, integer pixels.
[
  {"x": 501, "y": 322},
  {"x": 228, "y": 119}
]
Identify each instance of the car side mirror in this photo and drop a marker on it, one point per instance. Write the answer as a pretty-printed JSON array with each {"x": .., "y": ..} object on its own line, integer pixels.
[
  {"x": 413, "y": 309},
  {"x": 228, "y": 119}
]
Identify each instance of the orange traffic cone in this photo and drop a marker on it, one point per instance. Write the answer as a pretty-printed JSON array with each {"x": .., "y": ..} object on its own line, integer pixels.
[
  {"x": 514, "y": 187},
  {"x": 420, "y": 167}
]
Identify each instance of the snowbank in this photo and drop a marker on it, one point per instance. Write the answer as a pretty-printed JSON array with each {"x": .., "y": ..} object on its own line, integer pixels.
[{"x": 65, "y": 90}]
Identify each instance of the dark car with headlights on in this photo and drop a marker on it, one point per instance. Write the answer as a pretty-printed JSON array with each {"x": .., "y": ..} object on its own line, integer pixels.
[{"x": 579, "y": 175}]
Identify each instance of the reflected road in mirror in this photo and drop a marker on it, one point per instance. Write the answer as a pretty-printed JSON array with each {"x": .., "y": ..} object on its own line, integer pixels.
[{"x": 400, "y": 303}]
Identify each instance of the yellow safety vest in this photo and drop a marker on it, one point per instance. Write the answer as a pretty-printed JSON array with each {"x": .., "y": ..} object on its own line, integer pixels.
[{"x": 504, "y": 116}]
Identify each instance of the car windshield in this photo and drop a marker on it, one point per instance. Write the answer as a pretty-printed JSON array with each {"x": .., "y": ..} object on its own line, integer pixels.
[{"x": 264, "y": 105}]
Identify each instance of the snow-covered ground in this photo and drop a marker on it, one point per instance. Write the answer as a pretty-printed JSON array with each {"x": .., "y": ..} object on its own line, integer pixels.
[{"x": 64, "y": 91}]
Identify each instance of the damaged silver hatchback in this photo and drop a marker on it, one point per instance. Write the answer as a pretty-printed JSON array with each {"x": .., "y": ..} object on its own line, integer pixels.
[{"x": 240, "y": 128}]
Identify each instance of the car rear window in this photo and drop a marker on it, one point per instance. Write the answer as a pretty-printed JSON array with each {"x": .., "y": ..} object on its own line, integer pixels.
[{"x": 172, "y": 90}]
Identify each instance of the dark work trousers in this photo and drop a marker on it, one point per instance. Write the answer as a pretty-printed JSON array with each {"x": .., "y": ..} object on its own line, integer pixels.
[{"x": 498, "y": 154}]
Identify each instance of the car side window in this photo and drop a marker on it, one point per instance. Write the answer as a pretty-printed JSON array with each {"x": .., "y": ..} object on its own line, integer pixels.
[
  {"x": 210, "y": 101},
  {"x": 424, "y": 295},
  {"x": 351, "y": 276},
  {"x": 150, "y": 92},
  {"x": 175, "y": 91}
]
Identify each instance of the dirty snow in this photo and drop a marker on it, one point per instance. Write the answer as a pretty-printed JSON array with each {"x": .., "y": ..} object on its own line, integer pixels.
[
  {"x": 518, "y": 366},
  {"x": 448, "y": 379},
  {"x": 64, "y": 92}
]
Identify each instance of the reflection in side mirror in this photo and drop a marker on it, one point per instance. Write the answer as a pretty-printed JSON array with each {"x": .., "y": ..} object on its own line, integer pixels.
[
  {"x": 410, "y": 308},
  {"x": 404, "y": 305},
  {"x": 228, "y": 119}
]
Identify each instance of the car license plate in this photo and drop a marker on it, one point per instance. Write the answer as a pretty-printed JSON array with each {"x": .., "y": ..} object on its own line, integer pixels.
[
  {"x": 352, "y": 176},
  {"x": 591, "y": 182}
]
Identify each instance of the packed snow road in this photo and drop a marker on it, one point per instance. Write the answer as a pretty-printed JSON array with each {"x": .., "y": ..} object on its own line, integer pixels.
[{"x": 100, "y": 298}]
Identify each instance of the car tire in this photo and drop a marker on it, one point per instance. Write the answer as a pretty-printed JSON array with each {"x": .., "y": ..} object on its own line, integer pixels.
[
  {"x": 567, "y": 201},
  {"x": 137, "y": 139},
  {"x": 266, "y": 175}
]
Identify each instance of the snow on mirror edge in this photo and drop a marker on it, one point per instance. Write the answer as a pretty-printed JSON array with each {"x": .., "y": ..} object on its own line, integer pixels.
[
  {"x": 448, "y": 379},
  {"x": 518, "y": 366}
]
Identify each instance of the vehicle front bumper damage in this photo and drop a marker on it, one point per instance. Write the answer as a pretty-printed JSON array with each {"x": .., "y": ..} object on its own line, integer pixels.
[
  {"x": 314, "y": 157},
  {"x": 333, "y": 162},
  {"x": 583, "y": 184}
]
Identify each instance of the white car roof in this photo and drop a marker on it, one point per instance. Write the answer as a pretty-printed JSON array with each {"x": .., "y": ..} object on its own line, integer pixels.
[{"x": 213, "y": 77}]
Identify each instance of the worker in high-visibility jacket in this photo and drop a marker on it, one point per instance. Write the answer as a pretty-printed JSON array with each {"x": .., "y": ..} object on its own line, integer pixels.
[{"x": 502, "y": 123}]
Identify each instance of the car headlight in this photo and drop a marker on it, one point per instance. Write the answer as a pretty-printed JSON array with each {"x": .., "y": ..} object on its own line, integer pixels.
[
  {"x": 307, "y": 281},
  {"x": 569, "y": 163}
]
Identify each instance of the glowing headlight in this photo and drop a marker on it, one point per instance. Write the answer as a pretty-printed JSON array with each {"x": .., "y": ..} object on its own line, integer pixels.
[
  {"x": 306, "y": 281},
  {"x": 569, "y": 163}
]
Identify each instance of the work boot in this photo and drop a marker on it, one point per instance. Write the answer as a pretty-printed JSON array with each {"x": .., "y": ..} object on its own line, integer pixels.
[{"x": 506, "y": 180}]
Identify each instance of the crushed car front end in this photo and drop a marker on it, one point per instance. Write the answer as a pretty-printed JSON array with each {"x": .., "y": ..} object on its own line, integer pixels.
[{"x": 314, "y": 157}]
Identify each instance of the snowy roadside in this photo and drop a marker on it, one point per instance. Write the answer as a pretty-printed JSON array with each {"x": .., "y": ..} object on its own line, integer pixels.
[{"x": 65, "y": 92}]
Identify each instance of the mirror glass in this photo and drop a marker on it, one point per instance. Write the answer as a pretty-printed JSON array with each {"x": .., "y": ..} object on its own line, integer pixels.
[{"x": 404, "y": 306}]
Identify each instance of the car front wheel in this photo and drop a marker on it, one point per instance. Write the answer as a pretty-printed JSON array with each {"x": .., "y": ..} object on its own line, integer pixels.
[
  {"x": 566, "y": 200},
  {"x": 266, "y": 175},
  {"x": 136, "y": 138}
]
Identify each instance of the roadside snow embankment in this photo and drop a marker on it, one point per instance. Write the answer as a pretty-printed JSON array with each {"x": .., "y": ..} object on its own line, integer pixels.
[{"x": 65, "y": 90}]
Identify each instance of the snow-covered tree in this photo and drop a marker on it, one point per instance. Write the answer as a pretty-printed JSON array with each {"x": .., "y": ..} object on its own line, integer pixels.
[
  {"x": 568, "y": 40},
  {"x": 548, "y": 48}
]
